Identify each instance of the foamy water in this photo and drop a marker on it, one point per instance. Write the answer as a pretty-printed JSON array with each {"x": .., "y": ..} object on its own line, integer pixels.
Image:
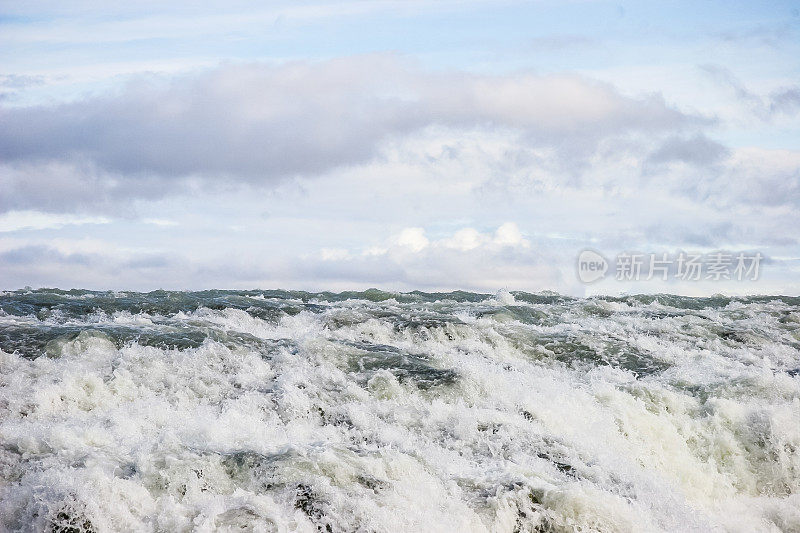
[{"x": 373, "y": 411}]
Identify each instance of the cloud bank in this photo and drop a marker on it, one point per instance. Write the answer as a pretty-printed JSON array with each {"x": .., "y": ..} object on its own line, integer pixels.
[
  {"x": 465, "y": 258},
  {"x": 257, "y": 124}
]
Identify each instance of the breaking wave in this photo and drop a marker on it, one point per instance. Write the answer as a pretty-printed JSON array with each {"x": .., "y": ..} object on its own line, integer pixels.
[{"x": 376, "y": 411}]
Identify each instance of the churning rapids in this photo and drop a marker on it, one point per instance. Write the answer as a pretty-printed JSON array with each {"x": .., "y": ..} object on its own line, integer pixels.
[{"x": 384, "y": 412}]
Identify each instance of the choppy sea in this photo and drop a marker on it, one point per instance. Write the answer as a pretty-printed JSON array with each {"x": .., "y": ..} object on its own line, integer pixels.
[{"x": 387, "y": 412}]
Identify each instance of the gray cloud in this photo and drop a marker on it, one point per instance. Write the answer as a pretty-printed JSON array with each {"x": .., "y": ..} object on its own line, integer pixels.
[
  {"x": 784, "y": 101},
  {"x": 725, "y": 77},
  {"x": 20, "y": 81},
  {"x": 757, "y": 182},
  {"x": 551, "y": 43},
  {"x": 259, "y": 124},
  {"x": 38, "y": 254},
  {"x": 716, "y": 235},
  {"x": 697, "y": 150},
  {"x": 11, "y": 83},
  {"x": 775, "y": 35},
  {"x": 42, "y": 265},
  {"x": 45, "y": 265},
  {"x": 687, "y": 166}
]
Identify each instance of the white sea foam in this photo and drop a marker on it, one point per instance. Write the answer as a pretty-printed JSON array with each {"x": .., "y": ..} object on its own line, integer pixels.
[{"x": 391, "y": 416}]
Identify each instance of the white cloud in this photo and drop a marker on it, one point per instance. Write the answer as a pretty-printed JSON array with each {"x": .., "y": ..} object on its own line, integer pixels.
[
  {"x": 465, "y": 239},
  {"x": 334, "y": 254},
  {"x": 304, "y": 174},
  {"x": 412, "y": 239},
  {"x": 34, "y": 220},
  {"x": 466, "y": 258},
  {"x": 163, "y": 222},
  {"x": 509, "y": 235}
]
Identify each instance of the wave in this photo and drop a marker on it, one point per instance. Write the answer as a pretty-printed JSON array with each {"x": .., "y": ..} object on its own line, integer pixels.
[{"x": 382, "y": 411}]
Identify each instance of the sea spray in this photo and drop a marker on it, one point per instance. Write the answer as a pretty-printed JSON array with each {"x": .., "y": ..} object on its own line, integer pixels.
[{"x": 375, "y": 411}]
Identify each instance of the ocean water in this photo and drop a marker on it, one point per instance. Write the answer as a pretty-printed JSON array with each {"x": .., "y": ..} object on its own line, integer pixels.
[{"x": 376, "y": 411}]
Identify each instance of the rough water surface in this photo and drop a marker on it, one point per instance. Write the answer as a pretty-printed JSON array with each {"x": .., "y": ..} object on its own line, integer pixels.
[{"x": 383, "y": 412}]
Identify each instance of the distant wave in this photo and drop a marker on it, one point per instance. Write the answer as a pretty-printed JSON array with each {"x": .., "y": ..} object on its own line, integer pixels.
[{"x": 381, "y": 411}]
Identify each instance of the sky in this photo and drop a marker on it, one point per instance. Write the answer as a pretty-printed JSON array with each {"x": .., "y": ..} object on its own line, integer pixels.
[{"x": 403, "y": 145}]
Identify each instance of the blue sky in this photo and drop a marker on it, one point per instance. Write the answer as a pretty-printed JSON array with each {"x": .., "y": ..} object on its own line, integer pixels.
[{"x": 403, "y": 145}]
